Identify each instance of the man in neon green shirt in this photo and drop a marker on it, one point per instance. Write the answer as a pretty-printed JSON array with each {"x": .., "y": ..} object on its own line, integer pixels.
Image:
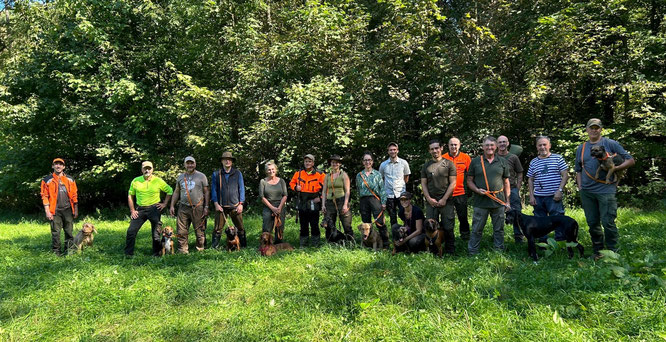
[{"x": 147, "y": 190}]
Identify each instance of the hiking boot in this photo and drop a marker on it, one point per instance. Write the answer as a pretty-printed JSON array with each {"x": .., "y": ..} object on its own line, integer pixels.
[
  {"x": 216, "y": 240},
  {"x": 314, "y": 242},
  {"x": 304, "y": 241},
  {"x": 242, "y": 238}
]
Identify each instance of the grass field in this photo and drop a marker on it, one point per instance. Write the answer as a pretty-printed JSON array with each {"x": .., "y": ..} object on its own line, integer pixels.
[{"x": 329, "y": 293}]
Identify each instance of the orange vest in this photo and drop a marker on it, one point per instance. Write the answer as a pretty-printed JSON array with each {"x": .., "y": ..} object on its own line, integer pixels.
[
  {"x": 309, "y": 182},
  {"x": 50, "y": 189},
  {"x": 461, "y": 161}
]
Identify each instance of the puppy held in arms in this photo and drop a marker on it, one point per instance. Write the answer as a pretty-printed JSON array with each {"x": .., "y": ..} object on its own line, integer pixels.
[
  {"x": 167, "y": 240},
  {"x": 370, "y": 236},
  {"x": 607, "y": 162},
  {"x": 267, "y": 248},
  {"x": 84, "y": 237}
]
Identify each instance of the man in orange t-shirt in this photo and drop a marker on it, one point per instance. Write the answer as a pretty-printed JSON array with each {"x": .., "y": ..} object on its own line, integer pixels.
[{"x": 461, "y": 161}]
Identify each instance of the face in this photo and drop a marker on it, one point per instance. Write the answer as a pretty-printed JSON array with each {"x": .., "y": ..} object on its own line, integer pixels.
[
  {"x": 58, "y": 167},
  {"x": 593, "y": 132},
  {"x": 393, "y": 151},
  {"x": 190, "y": 166},
  {"x": 543, "y": 147},
  {"x": 502, "y": 143},
  {"x": 227, "y": 162},
  {"x": 335, "y": 165},
  {"x": 435, "y": 150},
  {"x": 147, "y": 171},
  {"x": 489, "y": 147},
  {"x": 271, "y": 170},
  {"x": 454, "y": 146},
  {"x": 308, "y": 163},
  {"x": 404, "y": 202},
  {"x": 367, "y": 161}
]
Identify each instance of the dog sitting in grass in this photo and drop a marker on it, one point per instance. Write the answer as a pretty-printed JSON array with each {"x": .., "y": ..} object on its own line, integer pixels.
[
  {"x": 233, "y": 242},
  {"x": 534, "y": 227},
  {"x": 607, "y": 162},
  {"x": 370, "y": 236},
  {"x": 167, "y": 241},
  {"x": 267, "y": 248},
  {"x": 399, "y": 234},
  {"x": 83, "y": 238},
  {"x": 434, "y": 237},
  {"x": 333, "y": 234}
]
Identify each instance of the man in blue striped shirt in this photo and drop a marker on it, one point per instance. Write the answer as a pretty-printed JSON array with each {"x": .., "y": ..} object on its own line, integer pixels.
[{"x": 547, "y": 175}]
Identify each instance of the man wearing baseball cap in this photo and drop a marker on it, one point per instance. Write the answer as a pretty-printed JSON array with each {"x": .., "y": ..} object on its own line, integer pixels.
[
  {"x": 307, "y": 182},
  {"x": 598, "y": 196},
  {"x": 192, "y": 191},
  {"x": 146, "y": 189},
  {"x": 60, "y": 200}
]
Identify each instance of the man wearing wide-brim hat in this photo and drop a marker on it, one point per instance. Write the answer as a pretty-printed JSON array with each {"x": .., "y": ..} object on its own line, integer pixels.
[
  {"x": 596, "y": 195},
  {"x": 228, "y": 196}
]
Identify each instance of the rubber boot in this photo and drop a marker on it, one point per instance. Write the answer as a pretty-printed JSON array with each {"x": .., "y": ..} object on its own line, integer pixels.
[
  {"x": 242, "y": 238},
  {"x": 216, "y": 240},
  {"x": 304, "y": 241}
]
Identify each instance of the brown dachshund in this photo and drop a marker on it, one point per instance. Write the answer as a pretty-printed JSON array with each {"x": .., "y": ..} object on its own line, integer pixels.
[
  {"x": 434, "y": 237},
  {"x": 167, "y": 241},
  {"x": 267, "y": 248},
  {"x": 370, "y": 236},
  {"x": 233, "y": 242},
  {"x": 84, "y": 237}
]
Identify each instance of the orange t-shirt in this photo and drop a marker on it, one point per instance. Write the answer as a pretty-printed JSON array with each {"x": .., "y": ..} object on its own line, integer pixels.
[{"x": 461, "y": 161}]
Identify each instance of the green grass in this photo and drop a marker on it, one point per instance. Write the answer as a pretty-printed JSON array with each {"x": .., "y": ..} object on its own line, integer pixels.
[{"x": 330, "y": 293}]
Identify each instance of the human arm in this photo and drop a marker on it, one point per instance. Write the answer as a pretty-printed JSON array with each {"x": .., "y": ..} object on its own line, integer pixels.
[
  {"x": 530, "y": 186},
  {"x": 579, "y": 180},
  {"x": 519, "y": 180},
  {"x": 45, "y": 201},
  {"x": 214, "y": 188},
  {"x": 130, "y": 202},
  {"x": 415, "y": 233},
  {"x": 74, "y": 198},
  {"x": 175, "y": 197},
  {"x": 563, "y": 182},
  {"x": 169, "y": 192},
  {"x": 241, "y": 193},
  {"x": 206, "y": 200},
  {"x": 449, "y": 191},
  {"x": 284, "y": 196},
  {"x": 507, "y": 193},
  {"x": 323, "y": 194},
  {"x": 346, "y": 186}
]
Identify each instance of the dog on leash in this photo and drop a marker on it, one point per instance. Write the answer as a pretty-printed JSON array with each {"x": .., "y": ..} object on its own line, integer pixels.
[
  {"x": 333, "y": 234},
  {"x": 535, "y": 227},
  {"x": 167, "y": 241},
  {"x": 434, "y": 237},
  {"x": 83, "y": 238},
  {"x": 233, "y": 242},
  {"x": 370, "y": 236},
  {"x": 267, "y": 248},
  {"x": 607, "y": 162}
]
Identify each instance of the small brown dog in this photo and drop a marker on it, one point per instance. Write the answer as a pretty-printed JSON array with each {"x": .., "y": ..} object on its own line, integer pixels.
[
  {"x": 233, "y": 242},
  {"x": 434, "y": 237},
  {"x": 607, "y": 162},
  {"x": 267, "y": 248},
  {"x": 167, "y": 240},
  {"x": 83, "y": 238},
  {"x": 370, "y": 236},
  {"x": 399, "y": 234}
]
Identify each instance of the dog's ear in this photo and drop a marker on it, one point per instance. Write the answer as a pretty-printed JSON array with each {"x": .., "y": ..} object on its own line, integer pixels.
[
  {"x": 360, "y": 227},
  {"x": 93, "y": 228}
]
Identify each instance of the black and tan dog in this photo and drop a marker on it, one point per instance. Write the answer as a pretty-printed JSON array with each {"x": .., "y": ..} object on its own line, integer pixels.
[
  {"x": 233, "y": 242},
  {"x": 267, "y": 248},
  {"x": 535, "y": 227},
  {"x": 167, "y": 241},
  {"x": 333, "y": 234},
  {"x": 370, "y": 236},
  {"x": 607, "y": 162},
  {"x": 83, "y": 238},
  {"x": 434, "y": 237},
  {"x": 399, "y": 234}
]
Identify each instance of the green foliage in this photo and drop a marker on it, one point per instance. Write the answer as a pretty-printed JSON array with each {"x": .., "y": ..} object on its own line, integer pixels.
[{"x": 106, "y": 84}]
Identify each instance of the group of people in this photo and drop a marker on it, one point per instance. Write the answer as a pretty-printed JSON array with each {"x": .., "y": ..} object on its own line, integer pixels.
[{"x": 493, "y": 178}]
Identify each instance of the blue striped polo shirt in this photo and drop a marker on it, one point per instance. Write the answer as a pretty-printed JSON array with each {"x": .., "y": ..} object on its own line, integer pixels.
[{"x": 546, "y": 174}]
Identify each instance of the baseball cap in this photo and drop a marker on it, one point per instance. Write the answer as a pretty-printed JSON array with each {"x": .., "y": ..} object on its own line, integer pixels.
[
  {"x": 309, "y": 156},
  {"x": 190, "y": 158},
  {"x": 594, "y": 122},
  {"x": 58, "y": 160},
  {"x": 146, "y": 164}
]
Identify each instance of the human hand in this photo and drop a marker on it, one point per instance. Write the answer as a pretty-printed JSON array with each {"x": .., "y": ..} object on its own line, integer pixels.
[
  {"x": 239, "y": 209},
  {"x": 532, "y": 201},
  {"x": 49, "y": 216},
  {"x": 134, "y": 214},
  {"x": 558, "y": 196},
  {"x": 172, "y": 211}
]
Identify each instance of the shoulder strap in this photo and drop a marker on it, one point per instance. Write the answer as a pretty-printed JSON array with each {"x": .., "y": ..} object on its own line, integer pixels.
[{"x": 368, "y": 186}]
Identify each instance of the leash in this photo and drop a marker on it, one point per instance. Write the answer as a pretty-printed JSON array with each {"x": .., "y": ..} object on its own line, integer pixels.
[
  {"x": 489, "y": 193},
  {"x": 335, "y": 203},
  {"x": 277, "y": 222},
  {"x": 582, "y": 164},
  {"x": 377, "y": 197}
]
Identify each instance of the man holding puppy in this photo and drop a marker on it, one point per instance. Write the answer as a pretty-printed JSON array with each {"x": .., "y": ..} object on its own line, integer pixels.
[
  {"x": 60, "y": 200},
  {"x": 146, "y": 189},
  {"x": 192, "y": 191},
  {"x": 596, "y": 195}
]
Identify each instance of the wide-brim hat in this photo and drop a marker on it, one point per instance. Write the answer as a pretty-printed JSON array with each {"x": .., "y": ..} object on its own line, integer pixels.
[
  {"x": 334, "y": 157},
  {"x": 227, "y": 155}
]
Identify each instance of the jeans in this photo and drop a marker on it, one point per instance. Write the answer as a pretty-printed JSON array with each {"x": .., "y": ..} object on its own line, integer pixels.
[
  {"x": 460, "y": 204},
  {"x": 547, "y": 206},
  {"x": 63, "y": 219},
  {"x": 147, "y": 213},
  {"x": 601, "y": 209},
  {"x": 479, "y": 219}
]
